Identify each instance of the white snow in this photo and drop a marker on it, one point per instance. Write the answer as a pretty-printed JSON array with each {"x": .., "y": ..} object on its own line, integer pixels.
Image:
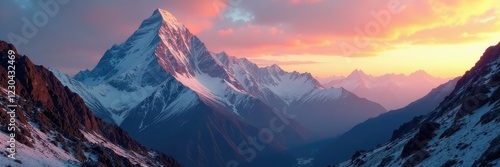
[
  {"x": 116, "y": 102},
  {"x": 170, "y": 19},
  {"x": 164, "y": 43},
  {"x": 130, "y": 155},
  {"x": 44, "y": 152},
  {"x": 183, "y": 102},
  {"x": 472, "y": 133}
]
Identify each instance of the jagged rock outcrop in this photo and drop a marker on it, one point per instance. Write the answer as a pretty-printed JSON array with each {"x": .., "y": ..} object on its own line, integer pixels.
[
  {"x": 53, "y": 120},
  {"x": 462, "y": 131}
]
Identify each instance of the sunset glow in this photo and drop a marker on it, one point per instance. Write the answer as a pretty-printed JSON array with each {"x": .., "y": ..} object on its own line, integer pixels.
[
  {"x": 323, "y": 37},
  {"x": 424, "y": 35},
  {"x": 250, "y": 83},
  {"x": 439, "y": 60}
]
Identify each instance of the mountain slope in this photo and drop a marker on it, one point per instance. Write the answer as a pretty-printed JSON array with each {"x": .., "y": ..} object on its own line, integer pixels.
[
  {"x": 321, "y": 111},
  {"x": 391, "y": 91},
  {"x": 164, "y": 80},
  {"x": 163, "y": 85},
  {"x": 56, "y": 129},
  {"x": 378, "y": 130},
  {"x": 462, "y": 131}
]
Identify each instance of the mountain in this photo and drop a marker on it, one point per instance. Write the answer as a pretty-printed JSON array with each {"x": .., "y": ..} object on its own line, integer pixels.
[
  {"x": 378, "y": 130},
  {"x": 463, "y": 131},
  {"x": 55, "y": 128},
  {"x": 393, "y": 91},
  {"x": 324, "y": 80},
  {"x": 321, "y": 111},
  {"x": 163, "y": 82}
]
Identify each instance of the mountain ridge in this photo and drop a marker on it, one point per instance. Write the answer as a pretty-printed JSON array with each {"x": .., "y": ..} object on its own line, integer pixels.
[
  {"x": 393, "y": 91},
  {"x": 381, "y": 128},
  {"x": 161, "y": 63},
  {"x": 462, "y": 131},
  {"x": 54, "y": 122}
]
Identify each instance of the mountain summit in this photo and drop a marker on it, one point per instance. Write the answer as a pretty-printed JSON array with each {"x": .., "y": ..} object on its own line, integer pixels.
[
  {"x": 163, "y": 84},
  {"x": 169, "y": 19}
]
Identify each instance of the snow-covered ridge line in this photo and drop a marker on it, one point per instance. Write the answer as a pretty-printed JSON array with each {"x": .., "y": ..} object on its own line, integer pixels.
[
  {"x": 462, "y": 131},
  {"x": 140, "y": 83}
]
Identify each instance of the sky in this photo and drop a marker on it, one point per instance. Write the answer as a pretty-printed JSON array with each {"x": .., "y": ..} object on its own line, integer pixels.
[{"x": 323, "y": 37}]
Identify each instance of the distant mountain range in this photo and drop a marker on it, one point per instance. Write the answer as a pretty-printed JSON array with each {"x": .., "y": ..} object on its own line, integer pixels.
[
  {"x": 163, "y": 90},
  {"x": 379, "y": 130},
  {"x": 170, "y": 93},
  {"x": 462, "y": 131},
  {"x": 393, "y": 91},
  {"x": 55, "y": 128}
]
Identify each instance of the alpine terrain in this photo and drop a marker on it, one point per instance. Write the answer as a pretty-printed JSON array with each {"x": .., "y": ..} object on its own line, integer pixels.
[
  {"x": 393, "y": 91},
  {"x": 378, "y": 130},
  {"x": 165, "y": 88},
  {"x": 51, "y": 126},
  {"x": 462, "y": 131}
]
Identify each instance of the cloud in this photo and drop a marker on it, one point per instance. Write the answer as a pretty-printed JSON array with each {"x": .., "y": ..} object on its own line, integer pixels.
[
  {"x": 81, "y": 31},
  {"x": 24, "y": 4},
  {"x": 319, "y": 27},
  {"x": 228, "y": 31},
  {"x": 304, "y": 1},
  {"x": 247, "y": 28},
  {"x": 266, "y": 62}
]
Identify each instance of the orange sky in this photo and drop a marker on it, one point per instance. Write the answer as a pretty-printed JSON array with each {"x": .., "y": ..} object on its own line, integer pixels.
[
  {"x": 450, "y": 60},
  {"x": 444, "y": 38},
  {"x": 323, "y": 37}
]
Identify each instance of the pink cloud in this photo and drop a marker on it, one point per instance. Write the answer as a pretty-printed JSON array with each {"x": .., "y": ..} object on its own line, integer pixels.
[
  {"x": 197, "y": 15},
  {"x": 228, "y": 31},
  {"x": 319, "y": 27},
  {"x": 304, "y": 1},
  {"x": 276, "y": 27},
  {"x": 264, "y": 62}
]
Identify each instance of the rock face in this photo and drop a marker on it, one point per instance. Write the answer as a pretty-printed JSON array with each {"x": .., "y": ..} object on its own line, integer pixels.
[
  {"x": 163, "y": 84},
  {"x": 54, "y": 122},
  {"x": 462, "y": 131},
  {"x": 378, "y": 130}
]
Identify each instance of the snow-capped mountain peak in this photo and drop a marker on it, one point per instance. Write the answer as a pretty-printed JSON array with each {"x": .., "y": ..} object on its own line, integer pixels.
[
  {"x": 169, "y": 19},
  {"x": 164, "y": 75},
  {"x": 275, "y": 68},
  {"x": 57, "y": 129}
]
